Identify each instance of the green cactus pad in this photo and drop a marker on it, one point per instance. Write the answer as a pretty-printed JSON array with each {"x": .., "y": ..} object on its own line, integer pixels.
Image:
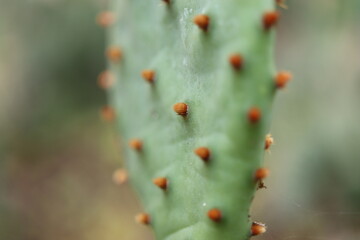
[{"x": 228, "y": 110}]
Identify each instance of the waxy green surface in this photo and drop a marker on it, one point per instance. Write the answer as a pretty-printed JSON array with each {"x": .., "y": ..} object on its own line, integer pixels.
[{"x": 192, "y": 67}]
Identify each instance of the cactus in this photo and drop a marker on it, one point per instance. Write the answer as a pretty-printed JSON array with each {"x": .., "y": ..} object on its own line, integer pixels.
[{"x": 191, "y": 84}]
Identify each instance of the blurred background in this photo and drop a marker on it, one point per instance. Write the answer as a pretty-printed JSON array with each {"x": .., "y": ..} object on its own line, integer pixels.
[{"x": 57, "y": 156}]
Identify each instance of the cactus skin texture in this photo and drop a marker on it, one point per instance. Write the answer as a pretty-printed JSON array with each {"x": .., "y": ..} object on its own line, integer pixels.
[{"x": 193, "y": 92}]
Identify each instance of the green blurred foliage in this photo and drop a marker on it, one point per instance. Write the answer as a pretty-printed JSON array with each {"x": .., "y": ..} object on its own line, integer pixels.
[
  {"x": 57, "y": 157},
  {"x": 54, "y": 50}
]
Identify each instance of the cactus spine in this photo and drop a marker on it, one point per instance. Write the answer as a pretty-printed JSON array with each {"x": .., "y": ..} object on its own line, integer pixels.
[{"x": 192, "y": 88}]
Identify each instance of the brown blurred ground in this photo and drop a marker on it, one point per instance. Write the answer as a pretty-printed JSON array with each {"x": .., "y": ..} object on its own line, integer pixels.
[{"x": 57, "y": 156}]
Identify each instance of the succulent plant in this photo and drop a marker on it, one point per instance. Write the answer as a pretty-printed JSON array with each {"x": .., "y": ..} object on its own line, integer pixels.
[{"x": 191, "y": 85}]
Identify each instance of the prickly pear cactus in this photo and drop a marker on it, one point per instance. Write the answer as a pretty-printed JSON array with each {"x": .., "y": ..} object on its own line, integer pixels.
[{"x": 192, "y": 83}]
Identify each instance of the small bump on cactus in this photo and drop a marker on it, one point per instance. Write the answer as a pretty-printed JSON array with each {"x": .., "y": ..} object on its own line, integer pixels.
[
  {"x": 136, "y": 144},
  {"x": 181, "y": 108},
  {"x": 161, "y": 182},
  {"x": 257, "y": 228},
  {"x": 142, "y": 218},
  {"x": 254, "y": 115},
  {"x": 261, "y": 174},
  {"x": 120, "y": 176},
  {"x": 281, "y": 3},
  {"x": 236, "y": 61},
  {"x": 107, "y": 113},
  {"x": 203, "y": 153},
  {"x": 270, "y": 19},
  {"x": 282, "y": 78},
  {"x": 105, "y": 19},
  {"x": 202, "y": 21},
  {"x": 106, "y": 80},
  {"x": 269, "y": 140},
  {"x": 114, "y": 53},
  {"x": 215, "y": 214},
  {"x": 148, "y": 75}
]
